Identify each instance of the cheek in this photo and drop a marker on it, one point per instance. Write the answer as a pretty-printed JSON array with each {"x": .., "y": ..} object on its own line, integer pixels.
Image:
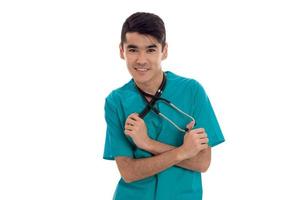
[
  {"x": 130, "y": 70},
  {"x": 130, "y": 62},
  {"x": 130, "y": 58},
  {"x": 156, "y": 59},
  {"x": 129, "y": 65}
]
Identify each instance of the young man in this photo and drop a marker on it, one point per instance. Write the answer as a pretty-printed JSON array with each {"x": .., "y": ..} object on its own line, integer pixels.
[{"x": 160, "y": 126}]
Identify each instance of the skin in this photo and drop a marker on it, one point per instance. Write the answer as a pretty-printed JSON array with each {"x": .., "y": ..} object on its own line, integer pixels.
[{"x": 143, "y": 55}]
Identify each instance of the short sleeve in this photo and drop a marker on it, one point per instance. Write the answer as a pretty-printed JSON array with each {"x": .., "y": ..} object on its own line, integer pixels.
[
  {"x": 116, "y": 143},
  {"x": 205, "y": 117}
]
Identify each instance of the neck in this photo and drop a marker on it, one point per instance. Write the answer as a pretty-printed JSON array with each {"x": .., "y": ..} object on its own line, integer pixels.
[{"x": 151, "y": 86}]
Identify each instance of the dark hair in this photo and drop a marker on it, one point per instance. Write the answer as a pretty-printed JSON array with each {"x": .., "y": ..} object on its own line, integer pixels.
[{"x": 145, "y": 23}]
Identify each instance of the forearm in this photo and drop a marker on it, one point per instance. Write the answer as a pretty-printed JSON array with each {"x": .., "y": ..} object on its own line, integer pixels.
[
  {"x": 200, "y": 162},
  {"x": 137, "y": 169}
]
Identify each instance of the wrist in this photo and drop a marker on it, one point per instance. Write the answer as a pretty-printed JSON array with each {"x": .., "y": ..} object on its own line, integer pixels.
[
  {"x": 147, "y": 145},
  {"x": 181, "y": 154}
]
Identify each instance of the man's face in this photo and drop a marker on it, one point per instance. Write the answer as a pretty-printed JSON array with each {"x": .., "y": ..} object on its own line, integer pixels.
[{"x": 143, "y": 55}]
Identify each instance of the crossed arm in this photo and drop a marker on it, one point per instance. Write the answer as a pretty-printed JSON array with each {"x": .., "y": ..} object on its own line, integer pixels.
[
  {"x": 194, "y": 154},
  {"x": 200, "y": 162},
  {"x": 136, "y": 169}
]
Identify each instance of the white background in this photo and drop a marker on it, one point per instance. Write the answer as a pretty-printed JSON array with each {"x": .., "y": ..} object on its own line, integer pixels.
[{"x": 59, "y": 60}]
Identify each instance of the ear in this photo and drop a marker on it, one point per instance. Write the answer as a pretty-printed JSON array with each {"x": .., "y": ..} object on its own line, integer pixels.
[
  {"x": 165, "y": 52},
  {"x": 121, "y": 51}
]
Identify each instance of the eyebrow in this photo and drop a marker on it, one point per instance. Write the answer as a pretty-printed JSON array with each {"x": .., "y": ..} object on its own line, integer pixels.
[
  {"x": 152, "y": 46},
  {"x": 132, "y": 46}
]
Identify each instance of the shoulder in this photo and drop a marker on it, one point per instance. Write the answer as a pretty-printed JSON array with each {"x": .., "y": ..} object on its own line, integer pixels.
[
  {"x": 186, "y": 83},
  {"x": 119, "y": 93}
]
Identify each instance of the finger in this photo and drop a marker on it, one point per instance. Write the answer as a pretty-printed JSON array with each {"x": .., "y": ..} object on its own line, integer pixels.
[
  {"x": 205, "y": 146},
  {"x": 132, "y": 116},
  {"x": 128, "y": 132},
  {"x": 202, "y": 135},
  {"x": 135, "y": 117},
  {"x": 129, "y": 127},
  {"x": 190, "y": 125},
  {"x": 199, "y": 130},
  {"x": 130, "y": 122},
  {"x": 204, "y": 141}
]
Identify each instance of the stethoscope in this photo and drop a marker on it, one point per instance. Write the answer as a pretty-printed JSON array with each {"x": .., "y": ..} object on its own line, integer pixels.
[{"x": 150, "y": 105}]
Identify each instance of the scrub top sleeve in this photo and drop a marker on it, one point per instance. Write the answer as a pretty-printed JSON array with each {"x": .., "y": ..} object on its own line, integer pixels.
[
  {"x": 116, "y": 143},
  {"x": 206, "y": 118}
]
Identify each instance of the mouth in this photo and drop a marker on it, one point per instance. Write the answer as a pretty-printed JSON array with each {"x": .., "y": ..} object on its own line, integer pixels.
[{"x": 141, "y": 69}]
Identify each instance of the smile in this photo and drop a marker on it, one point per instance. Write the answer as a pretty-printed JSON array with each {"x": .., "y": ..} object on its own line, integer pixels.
[{"x": 141, "y": 69}]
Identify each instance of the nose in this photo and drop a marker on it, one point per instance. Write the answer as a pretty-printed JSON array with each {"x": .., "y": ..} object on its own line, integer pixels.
[{"x": 141, "y": 58}]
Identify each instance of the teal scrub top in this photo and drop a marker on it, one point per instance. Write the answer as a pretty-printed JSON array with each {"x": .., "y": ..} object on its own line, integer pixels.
[{"x": 174, "y": 183}]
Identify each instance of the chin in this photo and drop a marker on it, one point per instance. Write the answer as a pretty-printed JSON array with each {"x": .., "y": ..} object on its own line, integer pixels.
[{"x": 141, "y": 78}]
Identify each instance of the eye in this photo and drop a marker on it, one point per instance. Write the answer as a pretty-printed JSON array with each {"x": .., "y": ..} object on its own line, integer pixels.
[
  {"x": 151, "y": 50},
  {"x": 132, "y": 50}
]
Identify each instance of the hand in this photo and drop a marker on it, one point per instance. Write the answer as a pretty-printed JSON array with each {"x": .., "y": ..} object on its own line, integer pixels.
[
  {"x": 194, "y": 141},
  {"x": 135, "y": 128}
]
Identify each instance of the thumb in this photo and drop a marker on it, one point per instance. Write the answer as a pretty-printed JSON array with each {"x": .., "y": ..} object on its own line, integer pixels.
[{"x": 190, "y": 125}]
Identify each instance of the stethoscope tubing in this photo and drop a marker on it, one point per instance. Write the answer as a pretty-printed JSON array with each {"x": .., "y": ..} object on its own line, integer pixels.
[{"x": 155, "y": 98}]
